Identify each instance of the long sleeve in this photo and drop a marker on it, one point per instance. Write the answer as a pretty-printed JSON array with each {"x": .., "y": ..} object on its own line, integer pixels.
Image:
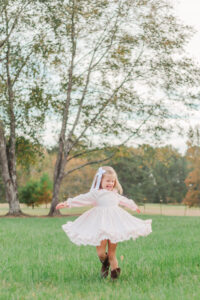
[
  {"x": 82, "y": 200},
  {"x": 127, "y": 203}
]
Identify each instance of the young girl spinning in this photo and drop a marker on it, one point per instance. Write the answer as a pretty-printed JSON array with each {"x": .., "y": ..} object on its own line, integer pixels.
[{"x": 106, "y": 223}]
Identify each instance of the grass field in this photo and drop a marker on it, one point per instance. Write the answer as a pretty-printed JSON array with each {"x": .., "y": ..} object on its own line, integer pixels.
[{"x": 39, "y": 262}]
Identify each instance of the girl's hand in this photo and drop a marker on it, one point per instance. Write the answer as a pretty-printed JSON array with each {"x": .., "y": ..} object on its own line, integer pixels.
[
  {"x": 138, "y": 210},
  {"x": 61, "y": 205}
]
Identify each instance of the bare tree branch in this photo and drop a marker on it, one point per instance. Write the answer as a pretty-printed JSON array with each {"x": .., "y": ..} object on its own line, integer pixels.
[
  {"x": 86, "y": 164},
  {"x": 99, "y": 43},
  {"x": 85, "y": 152},
  {"x": 83, "y": 97},
  {"x": 21, "y": 68},
  {"x": 102, "y": 38},
  {"x": 2, "y": 59},
  {"x": 17, "y": 15},
  {"x": 136, "y": 131},
  {"x": 109, "y": 47},
  {"x": 97, "y": 115},
  {"x": 88, "y": 76},
  {"x": 71, "y": 68},
  {"x": 2, "y": 78}
]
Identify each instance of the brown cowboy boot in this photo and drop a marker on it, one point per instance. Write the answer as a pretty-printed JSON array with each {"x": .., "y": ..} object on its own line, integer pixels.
[
  {"x": 105, "y": 267},
  {"x": 115, "y": 273}
]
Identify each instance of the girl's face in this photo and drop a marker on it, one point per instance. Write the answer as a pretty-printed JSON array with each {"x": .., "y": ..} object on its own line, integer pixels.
[{"x": 108, "y": 182}]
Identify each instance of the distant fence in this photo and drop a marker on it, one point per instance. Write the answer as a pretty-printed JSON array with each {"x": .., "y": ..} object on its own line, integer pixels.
[{"x": 169, "y": 209}]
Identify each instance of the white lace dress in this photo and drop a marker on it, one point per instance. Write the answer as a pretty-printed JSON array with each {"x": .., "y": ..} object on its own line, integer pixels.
[{"x": 106, "y": 220}]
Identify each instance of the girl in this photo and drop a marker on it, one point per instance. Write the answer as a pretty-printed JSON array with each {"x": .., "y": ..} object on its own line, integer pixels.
[{"x": 106, "y": 223}]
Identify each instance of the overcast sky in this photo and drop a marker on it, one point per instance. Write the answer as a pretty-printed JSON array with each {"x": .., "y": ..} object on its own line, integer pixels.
[{"x": 189, "y": 12}]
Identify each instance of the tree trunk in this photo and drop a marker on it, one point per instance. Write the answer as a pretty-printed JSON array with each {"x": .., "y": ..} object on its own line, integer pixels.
[
  {"x": 59, "y": 167},
  {"x": 8, "y": 178},
  {"x": 11, "y": 195},
  {"x": 58, "y": 176},
  {"x": 53, "y": 211},
  {"x": 8, "y": 156}
]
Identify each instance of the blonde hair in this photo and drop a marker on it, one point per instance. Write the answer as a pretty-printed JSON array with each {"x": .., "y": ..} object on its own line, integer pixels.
[{"x": 111, "y": 171}]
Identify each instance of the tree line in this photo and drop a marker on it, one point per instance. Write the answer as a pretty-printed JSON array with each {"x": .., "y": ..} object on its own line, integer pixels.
[
  {"x": 148, "y": 175},
  {"x": 100, "y": 70}
]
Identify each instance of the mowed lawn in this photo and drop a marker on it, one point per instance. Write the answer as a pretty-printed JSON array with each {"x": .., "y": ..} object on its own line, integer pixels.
[{"x": 39, "y": 262}]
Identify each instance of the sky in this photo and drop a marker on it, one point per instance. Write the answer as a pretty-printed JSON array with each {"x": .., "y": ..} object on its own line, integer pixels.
[{"x": 188, "y": 11}]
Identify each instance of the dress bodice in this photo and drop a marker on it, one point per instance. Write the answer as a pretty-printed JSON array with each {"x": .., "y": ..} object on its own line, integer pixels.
[
  {"x": 101, "y": 198},
  {"x": 106, "y": 198}
]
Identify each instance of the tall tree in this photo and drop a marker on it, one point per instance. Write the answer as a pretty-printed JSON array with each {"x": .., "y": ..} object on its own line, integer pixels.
[
  {"x": 22, "y": 105},
  {"x": 118, "y": 63},
  {"x": 192, "y": 181}
]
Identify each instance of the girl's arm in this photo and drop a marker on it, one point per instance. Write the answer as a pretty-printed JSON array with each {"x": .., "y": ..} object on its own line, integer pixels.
[
  {"x": 78, "y": 201},
  {"x": 128, "y": 203}
]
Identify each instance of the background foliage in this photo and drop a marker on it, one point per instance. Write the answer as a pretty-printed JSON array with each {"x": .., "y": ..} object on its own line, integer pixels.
[
  {"x": 36, "y": 192},
  {"x": 148, "y": 174}
]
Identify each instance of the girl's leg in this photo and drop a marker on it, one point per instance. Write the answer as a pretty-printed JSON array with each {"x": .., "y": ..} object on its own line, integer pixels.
[
  {"x": 112, "y": 255},
  {"x": 115, "y": 270},
  {"x": 101, "y": 250}
]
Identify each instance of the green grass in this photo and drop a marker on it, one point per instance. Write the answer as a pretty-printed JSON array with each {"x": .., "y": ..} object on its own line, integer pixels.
[{"x": 39, "y": 262}]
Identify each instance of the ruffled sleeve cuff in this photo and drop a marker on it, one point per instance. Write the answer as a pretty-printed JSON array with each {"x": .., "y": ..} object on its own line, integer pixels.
[{"x": 127, "y": 203}]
